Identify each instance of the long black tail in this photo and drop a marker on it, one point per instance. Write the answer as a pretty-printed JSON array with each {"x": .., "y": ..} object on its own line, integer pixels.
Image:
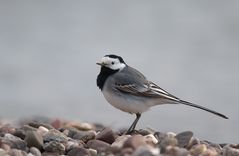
[{"x": 203, "y": 108}]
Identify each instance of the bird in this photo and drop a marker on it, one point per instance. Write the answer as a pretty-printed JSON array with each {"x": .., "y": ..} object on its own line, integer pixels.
[{"x": 128, "y": 90}]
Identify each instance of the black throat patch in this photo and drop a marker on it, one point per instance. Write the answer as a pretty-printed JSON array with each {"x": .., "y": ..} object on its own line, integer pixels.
[{"x": 103, "y": 75}]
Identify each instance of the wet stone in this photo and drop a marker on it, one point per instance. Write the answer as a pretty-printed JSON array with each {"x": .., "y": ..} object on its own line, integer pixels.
[
  {"x": 106, "y": 135},
  {"x": 54, "y": 146},
  {"x": 34, "y": 139},
  {"x": 184, "y": 138}
]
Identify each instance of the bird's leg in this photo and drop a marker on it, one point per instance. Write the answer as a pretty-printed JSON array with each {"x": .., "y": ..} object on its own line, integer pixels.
[{"x": 132, "y": 127}]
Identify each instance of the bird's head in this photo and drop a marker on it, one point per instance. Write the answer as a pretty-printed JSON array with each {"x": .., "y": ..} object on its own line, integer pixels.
[{"x": 113, "y": 62}]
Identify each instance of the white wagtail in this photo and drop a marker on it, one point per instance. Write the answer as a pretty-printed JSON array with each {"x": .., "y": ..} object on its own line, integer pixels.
[{"x": 128, "y": 90}]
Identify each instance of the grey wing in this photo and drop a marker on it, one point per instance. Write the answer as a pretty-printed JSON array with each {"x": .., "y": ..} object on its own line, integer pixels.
[
  {"x": 135, "y": 83},
  {"x": 147, "y": 90}
]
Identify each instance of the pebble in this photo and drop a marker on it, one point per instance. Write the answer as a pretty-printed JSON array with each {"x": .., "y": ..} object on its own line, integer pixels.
[
  {"x": 6, "y": 147},
  {"x": 42, "y": 130},
  {"x": 85, "y": 136},
  {"x": 106, "y": 135},
  {"x": 210, "y": 152},
  {"x": 54, "y": 146},
  {"x": 55, "y": 135},
  {"x": 135, "y": 141},
  {"x": 6, "y": 128},
  {"x": 98, "y": 145},
  {"x": 198, "y": 149},
  {"x": 168, "y": 140},
  {"x": 119, "y": 142},
  {"x": 38, "y": 124},
  {"x": 231, "y": 150},
  {"x": 176, "y": 151},
  {"x": 78, "y": 151},
  {"x": 192, "y": 142},
  {"x": 21, "y": 132},
  {"x": 127, "y": 151},
  {"x": 143, "y": 132},
  {"x": 145, "y": 151},
  {"x": 72, "y": 144},
  {"x": 35, "y": 151},
  {"x": 14, "y": 142},
  {"x": 3, "y": 152},
  {"x": 34, "y": 139},
  {"x": 184, "y": 138},
  {"x": 93, "y": 152},
  {"x": 57, "y": 123},
  {"x": 51, "y": 154},
  {"x": 150, "y": 139},
  {"x": 80, "y": 126},
  {"x": 17, "y": 152}
]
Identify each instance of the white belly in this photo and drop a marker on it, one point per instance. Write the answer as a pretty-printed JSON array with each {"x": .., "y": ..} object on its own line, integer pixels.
[{"x": 132, "y": 104}]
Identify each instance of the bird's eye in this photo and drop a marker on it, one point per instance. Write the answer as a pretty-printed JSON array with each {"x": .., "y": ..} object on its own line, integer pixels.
[{"x": 112, "y": 63}]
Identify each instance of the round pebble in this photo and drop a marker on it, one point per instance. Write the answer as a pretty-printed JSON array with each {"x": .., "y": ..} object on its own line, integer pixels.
[
  {"x": 135, "y": 141},
  {"x": 54, "y": 146},
  {"x": 184, "y": 138},
  {"x": 14, "y": 142},
  {"x": 106, "y": 135},
  {"x": 55, "y": 135},
  {"x": 35, "y": 151},
  {"x": 98, "y": 145}
]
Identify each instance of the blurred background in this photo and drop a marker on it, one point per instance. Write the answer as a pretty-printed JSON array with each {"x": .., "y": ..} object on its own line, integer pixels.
[{"x": 48, "y": 51}]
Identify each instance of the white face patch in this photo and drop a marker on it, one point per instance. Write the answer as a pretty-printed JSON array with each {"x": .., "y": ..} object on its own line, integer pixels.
[{"x": 112, "y": 63}]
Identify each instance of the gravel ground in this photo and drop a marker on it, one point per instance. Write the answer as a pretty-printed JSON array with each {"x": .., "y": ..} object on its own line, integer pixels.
[{"x": 59, "y": 137}]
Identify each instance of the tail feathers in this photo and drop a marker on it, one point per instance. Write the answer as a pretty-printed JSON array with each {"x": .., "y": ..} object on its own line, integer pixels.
[{"x": 203, "y": 108}]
